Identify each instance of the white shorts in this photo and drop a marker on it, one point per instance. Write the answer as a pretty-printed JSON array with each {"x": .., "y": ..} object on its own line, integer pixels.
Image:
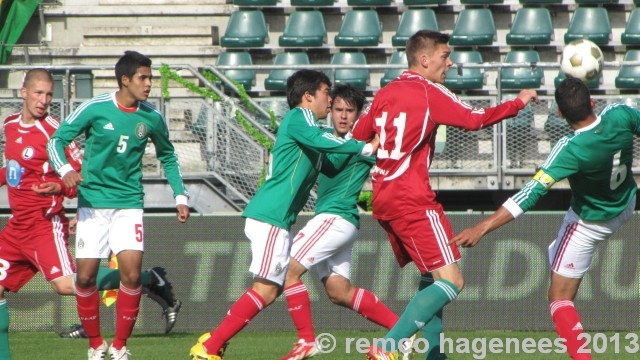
[
  {"x": 100, "y": 231},
  {"x": 570, "y": 255},
  {"x": 269, "y": 250},
  {"x": 326, "y": 242}
]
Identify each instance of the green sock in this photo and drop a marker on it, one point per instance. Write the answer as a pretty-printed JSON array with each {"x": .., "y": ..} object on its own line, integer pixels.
[
  {"x": 5, "y": 354},
  {"x": 109, "y": 279},
  {"x": 431, "y": 331},
  {"x": 424, "y": 305}
]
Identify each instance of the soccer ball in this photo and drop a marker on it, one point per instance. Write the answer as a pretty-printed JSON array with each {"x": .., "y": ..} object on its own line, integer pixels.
[{"x": 581, "y": 59}]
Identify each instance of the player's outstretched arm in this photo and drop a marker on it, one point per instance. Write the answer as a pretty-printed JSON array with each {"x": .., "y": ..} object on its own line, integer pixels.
[
  {"x": 470, "y": 237},
  {"x": 527, "y": 95}
]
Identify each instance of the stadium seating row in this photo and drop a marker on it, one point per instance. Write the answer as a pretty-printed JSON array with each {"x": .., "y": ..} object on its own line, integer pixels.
[
  {"x": 469, "y": 78},
  {"x": 410, "y": 2},
  {"x": 362, "y": 28}
]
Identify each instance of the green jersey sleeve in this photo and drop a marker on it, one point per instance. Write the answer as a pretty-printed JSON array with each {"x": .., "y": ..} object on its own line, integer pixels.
[
  {"x": 69, "y": 129},
  {"x": 166, "y": 154},
  {"x": 304, "y": 130}
]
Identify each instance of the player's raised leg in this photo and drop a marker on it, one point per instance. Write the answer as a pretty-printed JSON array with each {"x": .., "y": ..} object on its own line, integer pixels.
[
  {"x": 432, "y": 330},
  {"x": 270, "y": 260},
  {"x": 423, "y": 238}
]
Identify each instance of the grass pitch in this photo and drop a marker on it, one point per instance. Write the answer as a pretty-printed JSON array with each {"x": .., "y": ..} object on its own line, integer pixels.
[{"x": 273, "y": 345}]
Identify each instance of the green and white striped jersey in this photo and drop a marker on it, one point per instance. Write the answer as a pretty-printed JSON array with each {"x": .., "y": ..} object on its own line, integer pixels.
[
  {"x": 294, "y": 164},
  {"x": 115, "y": 143},
  {"x": 597, "y": 162}
]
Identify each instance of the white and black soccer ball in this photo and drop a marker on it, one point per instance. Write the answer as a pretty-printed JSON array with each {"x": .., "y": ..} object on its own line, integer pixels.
[{"x": 581, "y": 59}]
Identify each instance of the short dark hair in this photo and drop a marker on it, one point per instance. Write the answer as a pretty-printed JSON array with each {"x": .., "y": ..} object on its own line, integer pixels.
[
  {"x": 349, "y": 94},
  {"x": 36, "y": 74},
  {"x": 574, "y": 100},
  {"x": 129, "y": 63},
  {"x": 303, "y": 81},
  {"x": 423, "y": 39}
]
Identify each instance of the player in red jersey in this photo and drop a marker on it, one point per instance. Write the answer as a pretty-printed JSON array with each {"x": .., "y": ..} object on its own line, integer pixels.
[
  {"x": 406, "y": 114},
  {"x": 36, "y": 236}
]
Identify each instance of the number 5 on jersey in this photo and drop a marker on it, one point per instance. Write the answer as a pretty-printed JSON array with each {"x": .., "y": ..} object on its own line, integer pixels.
[
  {"x": 399, "y": 123},
  {"x": 122, "y": 143}
]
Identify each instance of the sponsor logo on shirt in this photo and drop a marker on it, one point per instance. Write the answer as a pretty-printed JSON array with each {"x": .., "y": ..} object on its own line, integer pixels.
[
  {"x": 14, "y": 173},
  {"x": 28, "y": 153},
  {"x": 19, "y": 140},
  {"x": 54, "y": 270},
  {"x": 545, "y": 179},
  {"x": 109, "y": 126}
]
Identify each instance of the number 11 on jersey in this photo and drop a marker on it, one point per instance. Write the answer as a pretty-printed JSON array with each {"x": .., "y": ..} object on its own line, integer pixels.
[{"x": 383, "y": 150}]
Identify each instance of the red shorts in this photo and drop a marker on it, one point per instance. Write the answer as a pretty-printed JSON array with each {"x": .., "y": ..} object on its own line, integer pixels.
[
  {"x": 422, "y": 237},
  {"x": 41, "y": 247}
]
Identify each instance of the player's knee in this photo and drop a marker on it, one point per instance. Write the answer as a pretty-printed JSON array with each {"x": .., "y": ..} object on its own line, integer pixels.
[
  {"x": 458, "y": 282},
  {"x": 85, "y": 281}
]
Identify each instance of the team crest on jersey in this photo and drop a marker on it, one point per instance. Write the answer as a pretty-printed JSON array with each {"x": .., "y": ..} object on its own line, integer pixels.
[
  {"x": 14, "y": 173},
  {"x": 545, "y": 179},
  {"x": 80, "y": 244},
  {"x": 278, "y": 269},
  {"x": 28, "y": 152},
  {"x": 141, "y": 130}
]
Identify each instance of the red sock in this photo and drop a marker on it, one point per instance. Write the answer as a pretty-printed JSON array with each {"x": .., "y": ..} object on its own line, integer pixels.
[
  {"x": 238, "y": 316},
  {"x": 299, "y": 305},
  {"x": 368, "y": 305},
  {"x": 89, "y": 312},
  {"x": 127, "y": 307},
  {"x": 568, "y": 327}
]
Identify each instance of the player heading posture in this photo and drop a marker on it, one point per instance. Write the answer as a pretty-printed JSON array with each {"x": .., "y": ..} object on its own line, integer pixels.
[
  {"x": 406, "y": 114},
  {"x": 296, "y": 159},
  {"x": 596, "y": 159},
  {"x": 36, "y": 236},
  {"x": 327, "y": 239},
  {"x": 110, "y": 194}
]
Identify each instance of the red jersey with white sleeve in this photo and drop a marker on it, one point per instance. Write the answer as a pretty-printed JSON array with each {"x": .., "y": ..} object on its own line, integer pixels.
[
  {"x": 406, "y": 114},
  {"x": 27, "y": 164}
]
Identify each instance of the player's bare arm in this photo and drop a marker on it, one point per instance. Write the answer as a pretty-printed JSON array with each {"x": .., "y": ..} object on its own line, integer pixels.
[
  {"x": 72, "y": 179},
  {"x": 470, "y": 237},
  {"x": 47, "y": 188},
  {"x": 527, "y": 95}
]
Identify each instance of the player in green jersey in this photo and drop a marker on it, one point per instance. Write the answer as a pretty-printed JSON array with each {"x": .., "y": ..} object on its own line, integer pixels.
[
  {"x": 327, "y": 239},
  {"x": 596, "y": 159},
  {"x": 296, "y": 160},
  {"x": 110, "y": 193}
]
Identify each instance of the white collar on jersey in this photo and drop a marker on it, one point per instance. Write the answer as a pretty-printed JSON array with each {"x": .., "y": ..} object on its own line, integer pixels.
[{"x": 589, "y": 127}]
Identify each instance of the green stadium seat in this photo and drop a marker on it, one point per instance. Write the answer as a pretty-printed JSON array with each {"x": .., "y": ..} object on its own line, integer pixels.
[
  {"x": 481, "y": 2},
  {"x": 531, "y": 26},
  {"x": 255, "y": 2},
  {"x": 471, "y": 78},
  {"x": 359, "y": 28},
  {"x": 591, "y": 23},
  {"x": 533, "y": 2},
  {"x": 521, "y": 78},
  {"x": 398, "y": 57},
  {"x": 277, "y": 79},
  {"x": 424, "y": 2},
  {"x": 593, "y": 84},
  {"x": 244, "y": 77},
  {"x": 411, "y": 21},
  {"x": 246, "y": 28},
  {"x": 369, "y": 2},
  {"x": 629, "y": 75},
  {"x": 312, "y": 2},
  {"x": 631, "y": 34},
  {"x": 595, "y": 2},
  {"x": 474, "y": 27},
  {"x": 358, "y": 78},
  {"x": 304, "y": 28}
]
